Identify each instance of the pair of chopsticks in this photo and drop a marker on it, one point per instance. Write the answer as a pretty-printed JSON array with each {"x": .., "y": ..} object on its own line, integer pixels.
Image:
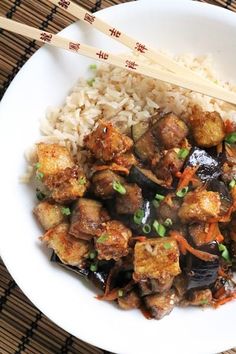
[{"x": 168, "y": 70}]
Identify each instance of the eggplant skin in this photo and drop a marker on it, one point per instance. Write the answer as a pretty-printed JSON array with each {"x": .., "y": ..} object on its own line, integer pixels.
[
  {"x": 201, "y": 274},
  {"x": 209, "y": 166},
  {"x": 98, "y": 278}
]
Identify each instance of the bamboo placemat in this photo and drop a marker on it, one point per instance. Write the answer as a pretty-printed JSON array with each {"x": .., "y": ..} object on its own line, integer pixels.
[{"x": 23, "y": 328}]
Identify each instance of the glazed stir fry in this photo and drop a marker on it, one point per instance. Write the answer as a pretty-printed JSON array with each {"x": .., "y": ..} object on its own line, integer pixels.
[{"x": 150, "y": 217}]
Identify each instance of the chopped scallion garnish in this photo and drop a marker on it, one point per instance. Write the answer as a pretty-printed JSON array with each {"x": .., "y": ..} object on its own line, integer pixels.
[
  {"x": 183, "y": 153},
  {"x": 231, "y": 138},
  {"x": 65, "y": 211},
  {"x": 92, "y": 254},
  {"x": 138, "y": 216},
  {"x": 224, "y": 252},
  {"x": 232, "y": 183},
  {"x": 204, "y": 302},
  {"x": 39, "y": 175},
  {"x": 37, "y": 165},
  {"x": 90, "y": 82},
  {"x": 155, "y": 203},
  {"x": 93, "y": 67},
  {"x": 159, "y": 228},
  {"x": 168, "y": 222},
  {"x": 93, "y": 267},
  {"x": 146, "y": 228},
  {"x": 159, "y": 197},
  {"x": 82, "y": 180},
  {"x": 103, "y": 238},
  {"x": 167, "y": 246},
  {"x": 182, "y": 192},
  {"x": 120, "y": 293},
  {"x": 118, "y": 187}
]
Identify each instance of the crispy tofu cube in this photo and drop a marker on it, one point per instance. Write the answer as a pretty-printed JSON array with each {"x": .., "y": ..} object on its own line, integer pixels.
[
  {"x": 200, "y": 206},
  {"x": 112, "y": 240},
  {"x": 67, "y": 185},
  {"x": 156, "y": 258},
  {"x": 106, "y": 142},
  {"x": 70, "y": 250},
  {"x": 53, "y": 158},
  {"x": 49, "y": 215},
  {"x": 207, "y": 128}
]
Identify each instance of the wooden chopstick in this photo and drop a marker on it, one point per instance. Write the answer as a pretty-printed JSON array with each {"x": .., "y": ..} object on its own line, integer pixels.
[
  {"x": 123, "y": 62},
  {"x": 134, "y": 44}
]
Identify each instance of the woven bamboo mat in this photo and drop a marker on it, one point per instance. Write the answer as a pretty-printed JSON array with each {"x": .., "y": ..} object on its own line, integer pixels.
[{"x": 23, "y": 328}]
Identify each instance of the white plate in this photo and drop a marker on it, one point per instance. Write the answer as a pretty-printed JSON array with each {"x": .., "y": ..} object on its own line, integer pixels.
[{"x": 178, "y": 26}]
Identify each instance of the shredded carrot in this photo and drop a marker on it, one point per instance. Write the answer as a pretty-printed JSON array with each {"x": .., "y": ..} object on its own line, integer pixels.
[
  {"x": 220, "y": 293},
  {"x": 138, "y": 238},
  {"x": 185, "y": 246},
  {"x": 111, "y": 296},
  {"x": 113, "y": 167},
  {"x": 223, "y": 301},
  {"x": 187, "y": 176},
  {"x": 214, "y": 233},
  {"x": 229, "y": 126}
]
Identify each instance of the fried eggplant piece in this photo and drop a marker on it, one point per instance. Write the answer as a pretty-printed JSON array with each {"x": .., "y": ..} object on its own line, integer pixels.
[
  {"x": 129, "y": 301},
  {"x": 102, "y": 183},
  {"x": 131, "y": 201},
  {"x": 160, "y": 305}
]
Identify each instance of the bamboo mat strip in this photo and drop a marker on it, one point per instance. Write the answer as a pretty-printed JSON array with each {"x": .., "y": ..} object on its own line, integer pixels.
[{"x": 23, "y": 328}]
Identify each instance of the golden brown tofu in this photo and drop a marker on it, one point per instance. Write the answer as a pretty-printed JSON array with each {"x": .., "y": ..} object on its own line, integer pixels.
[
  {"x": 53, "y": 158},
  {"x": 161, "y": 305},
  {"x": 67, "y": 185},
  {"x": 69, "y": 249},
  {"x": 129, "y": 301},
  {"x": 126, "y": 160},
  {"x": 112, "y": 240},
  {"x": 156, "y": 258},
  {"x": 207, "y": 128},
  {"x": 87, "y": 217},
  {"x": 106, "y": 142},
  {"x": 49, "y": 215},
  {"x": 199, "y": 206}
]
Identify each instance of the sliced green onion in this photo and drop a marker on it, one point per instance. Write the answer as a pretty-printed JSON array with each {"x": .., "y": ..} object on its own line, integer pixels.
[
  {"x": 231, "y": 138},
  {"x": 224, "y": 252},
  {"x": 65, "y": 211},
  {"x": 82, "y": 180},
  {"x": 156, "y": 203},
  {"x": 118, "y": 187},
  {"x": 40, "y": 195},
  {"x": 232, "y": 183},
  {"x": 167, "y": 246},
  {"x": 39, "y": 175},
  {"x": 93, "y": 267},
  {"x": 204, "y": 302},
  {"x": 37, "y": 165},
  {"x": 120, "y": 293},
  {"x": 90, "y": 82},
  {"x": 159, "y": 228},
  {"x": 146, "y": 228},
  {"x": 182, "y": 192},
  {"x": 93, "y": 67},
  {"x": 92, "y": 254},
  {"x": 168, "y": 222},
  {"x": 159, "y": 197},
  {"x": 183, "y": 153},
  {"x": 103, "y": 238},
  {"x": 138, "y": 216}
]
